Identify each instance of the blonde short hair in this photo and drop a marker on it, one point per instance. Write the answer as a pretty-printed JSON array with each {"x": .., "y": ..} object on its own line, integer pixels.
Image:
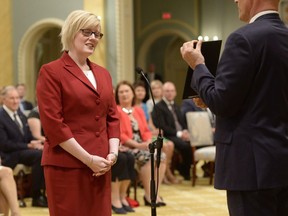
[
  {"x": 155, "y": 83},
  {"x": 75, "y": 21}
]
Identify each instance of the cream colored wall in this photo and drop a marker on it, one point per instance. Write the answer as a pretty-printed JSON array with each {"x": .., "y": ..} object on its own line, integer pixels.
[
  {"x": 6, "y": 68},
  {"x": 124, "y": 36},
  {"x": 97, "y": 7}
]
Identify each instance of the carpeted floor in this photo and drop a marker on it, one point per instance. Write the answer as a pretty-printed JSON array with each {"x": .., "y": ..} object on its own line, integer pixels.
[{"x": 182, "y": 200}]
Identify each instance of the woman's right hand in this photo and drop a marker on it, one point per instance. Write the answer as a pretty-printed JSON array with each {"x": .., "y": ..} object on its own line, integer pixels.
[{"x": 99, "y": 165}]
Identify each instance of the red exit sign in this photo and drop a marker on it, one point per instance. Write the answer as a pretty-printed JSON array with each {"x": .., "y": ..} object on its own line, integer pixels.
[{"x": 166, "y": 15}]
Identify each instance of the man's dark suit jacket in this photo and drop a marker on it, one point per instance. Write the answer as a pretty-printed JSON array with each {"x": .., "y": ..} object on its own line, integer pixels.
[
  {"x": 27, "y": 105},
  {"x": 250, "y": 99},
  {"x": 11, "y": 139},
  {"x": 166, "y": 120}
]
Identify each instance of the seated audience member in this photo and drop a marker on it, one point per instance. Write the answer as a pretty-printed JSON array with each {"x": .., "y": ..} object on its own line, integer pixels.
[
  {"x": 168, "y": 146},
  {"x": 18, "y": 145},
  {"x": 174, "y": 128},
  {"x": 25, "y": 106},
  {"x": 156, "y": 88},
  {"x": 140, "y": 93},
  {"x": 136, "y": 135},
  {"x": 188, "y": 105},
  {"x": 35, "y": 124},
  {"x": 1, "y": 103},
  {"x": 123, "y": 173},
  {"x": 8, "y": 192},
  {"x": 150, "y": 75}
]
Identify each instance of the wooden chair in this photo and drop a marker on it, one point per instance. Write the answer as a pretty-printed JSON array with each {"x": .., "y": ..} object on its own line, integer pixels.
[
  {"x": 201, "y": 140},
  {"x": 134, "y": 185},
  {"x": 22, "y": 176}
]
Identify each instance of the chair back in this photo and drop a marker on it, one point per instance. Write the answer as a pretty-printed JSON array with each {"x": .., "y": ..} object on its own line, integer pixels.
[{"x": 199, "y": 127}]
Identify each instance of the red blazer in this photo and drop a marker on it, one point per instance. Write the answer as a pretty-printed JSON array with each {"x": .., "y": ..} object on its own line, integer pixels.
[
  {"x": 126, "y": 127},
  {"x": 69, "y": 106}
]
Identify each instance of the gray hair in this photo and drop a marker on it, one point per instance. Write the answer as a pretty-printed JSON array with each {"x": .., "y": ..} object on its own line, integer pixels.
[{"x": 7, "y": 89}]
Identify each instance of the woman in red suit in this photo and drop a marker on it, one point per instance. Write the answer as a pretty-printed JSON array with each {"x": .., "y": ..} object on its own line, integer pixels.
[
  {"x": 136, "y": 136},
  {"x": 80, "y": 119}
]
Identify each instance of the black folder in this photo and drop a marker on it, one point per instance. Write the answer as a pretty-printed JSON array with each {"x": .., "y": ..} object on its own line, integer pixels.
[{"x": 211, "y": 52}]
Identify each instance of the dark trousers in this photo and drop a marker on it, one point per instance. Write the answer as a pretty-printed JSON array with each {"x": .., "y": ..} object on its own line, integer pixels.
[
  {"x": 270, "y": 202},
  {"x": 29, "y": 157},
  {"x": 186, "y": 152},
  {"x": 123, "y": 169}
]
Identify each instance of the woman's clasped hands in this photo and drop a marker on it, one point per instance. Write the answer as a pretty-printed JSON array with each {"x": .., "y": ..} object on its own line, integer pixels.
[{"x": 100, "y": 165}]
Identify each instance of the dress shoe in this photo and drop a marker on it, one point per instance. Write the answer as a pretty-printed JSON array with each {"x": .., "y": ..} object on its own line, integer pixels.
[
  {"x": 187, "y": 177},
  {"x": 206, "y": 169},
  {"x": 127, "y": 208},
  {"x": 147, "y": 203},
  {"x": 185, "y": 174},
  {"x": 132, "y": 202},
  {"x": 161, "y": 203},
  {"x": 41, "y": 201},
  {"x": 119, "y": 210}
]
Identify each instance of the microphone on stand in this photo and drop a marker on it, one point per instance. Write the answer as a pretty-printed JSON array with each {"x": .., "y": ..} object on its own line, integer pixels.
[
  {"x": 159, "y": 141},
  {"x": 155, "y": 144}
]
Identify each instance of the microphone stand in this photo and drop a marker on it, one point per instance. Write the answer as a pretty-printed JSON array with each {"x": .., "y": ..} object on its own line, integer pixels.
[
  {"x": 157, "y": 144},
  {"x": 153, "y": 195}
]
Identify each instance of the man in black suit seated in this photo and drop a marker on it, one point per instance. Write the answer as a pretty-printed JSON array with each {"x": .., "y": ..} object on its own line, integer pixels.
[
  {"x": 188, "y": 105},
  {"x": 172, "y": 123},
  {"x": 17, "y": 144},
  {"x": 24, "y": 104}
]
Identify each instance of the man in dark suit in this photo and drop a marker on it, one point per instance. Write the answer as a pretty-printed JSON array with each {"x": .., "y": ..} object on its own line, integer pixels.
[
  {"x": 25, "y": 106},
  {"x": 17, "y": 144},
  {"x": 189, "y": 106},
  {"x": 172, "y": 123},
  {"x": 249, "y": 96}
]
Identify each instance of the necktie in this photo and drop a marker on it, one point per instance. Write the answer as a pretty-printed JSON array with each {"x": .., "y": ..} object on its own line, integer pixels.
[
  {"x": 18, "y": 123},
  {"x": 177, "y": 124}
]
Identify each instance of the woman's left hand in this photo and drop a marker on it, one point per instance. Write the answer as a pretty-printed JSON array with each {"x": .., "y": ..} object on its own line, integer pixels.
[
  {"x": 112, "y": 157},
  {"x": 99, "y": 165}
]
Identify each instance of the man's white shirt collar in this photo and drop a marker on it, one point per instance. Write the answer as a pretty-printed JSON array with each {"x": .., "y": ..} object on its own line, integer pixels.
[
  {"x": 10, "y": 112},
  {"x": 169, "y": 103}
]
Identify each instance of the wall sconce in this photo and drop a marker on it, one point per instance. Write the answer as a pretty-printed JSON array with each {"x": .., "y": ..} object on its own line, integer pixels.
[
  {"x": 200, "y": 37},
  {"x": 206, "y": 38}
]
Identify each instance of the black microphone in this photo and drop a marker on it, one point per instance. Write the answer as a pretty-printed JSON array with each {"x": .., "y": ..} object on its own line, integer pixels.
[
  {"x": 159, "y": 141},
  {"x": 139, "y": 70}
]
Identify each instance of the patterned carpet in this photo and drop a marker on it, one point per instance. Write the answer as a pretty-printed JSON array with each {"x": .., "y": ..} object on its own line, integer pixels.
[{"x": 181, "y": 199}]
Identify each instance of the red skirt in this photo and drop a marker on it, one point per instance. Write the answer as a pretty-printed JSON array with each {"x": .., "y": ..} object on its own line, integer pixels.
[{"x": 76, "y": 192}]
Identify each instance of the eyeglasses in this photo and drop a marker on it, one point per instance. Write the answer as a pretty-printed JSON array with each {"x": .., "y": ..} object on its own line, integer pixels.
[{"x": 88, "y": 33}]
